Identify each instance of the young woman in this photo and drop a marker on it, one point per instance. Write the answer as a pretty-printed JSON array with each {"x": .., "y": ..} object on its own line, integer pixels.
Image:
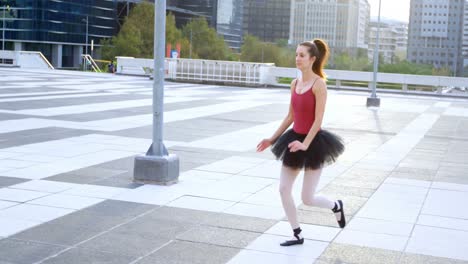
[{"x": 306, "y": 146}]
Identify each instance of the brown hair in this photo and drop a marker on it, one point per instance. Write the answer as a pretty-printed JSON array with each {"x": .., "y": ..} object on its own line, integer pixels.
[{"x": 319, "y": 49}]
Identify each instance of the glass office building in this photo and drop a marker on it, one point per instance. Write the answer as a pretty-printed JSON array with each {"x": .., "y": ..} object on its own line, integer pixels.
[
  {"x": 60, "y": 29},
  {"x": 223, "y": 15},
  {"x": 229, "y": 22}
]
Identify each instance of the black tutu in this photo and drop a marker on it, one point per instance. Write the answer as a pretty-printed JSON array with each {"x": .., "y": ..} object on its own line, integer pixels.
[{"x": 324, "y": 149}]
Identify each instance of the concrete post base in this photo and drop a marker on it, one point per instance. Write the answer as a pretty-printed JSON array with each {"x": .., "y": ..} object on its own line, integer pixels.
[
  {"x": 373, "y": 101},
  {"x": 161, "y": 170}
]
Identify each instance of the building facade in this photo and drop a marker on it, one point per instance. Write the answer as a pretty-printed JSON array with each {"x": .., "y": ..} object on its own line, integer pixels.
[
  {"x": 229, "y": 22},
  {"x": 223, "y": 15},
  {"x": 435, "y": 33},
  {"x": 61, "y": 30},
  {"x": 393, "y": 40},
  {"x": 342, "y": 23},
  {"x": 465, "y": 39},
  {"x": 387, "y": 41},
  {"x": 267, "y": 20}
]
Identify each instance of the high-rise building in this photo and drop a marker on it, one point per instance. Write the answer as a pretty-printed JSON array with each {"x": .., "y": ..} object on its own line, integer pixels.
[
  {"x": 387, "y": 41},
  {"x": 229, "y": 22},
  {"x": 435, "y": 33},
  {"x": 267, "y": 20},
  {"x": 342, "y": 23},
  {"x": 393, "y": 39},
  {"x": 61, "y": 30},
  {"x": 465, "y": 37},
  {"x": 223, "y": 15}
]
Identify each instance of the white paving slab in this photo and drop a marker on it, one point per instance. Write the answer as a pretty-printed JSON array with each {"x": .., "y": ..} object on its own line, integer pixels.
[
  {"x": 34, "y": 213},
  {"x": 226, "y": 166},
  {"x": 439, "y": 242},
  {"x": 10, "y": 226},
  {"x": 443, "y": 222},
  {"x": 450, "y": 186},
  {"x": 6, "y": 204},
  {"x": 240, "y": 140},
  {"x": 313, "y": 232},
  {"x": 446, "y": 203},
  {"x": 148, "y": 195},
  {"x": 66, "y": 201},
  {"x": 251, "y": 256},
  {"x": 95, "y": 107},
  {"x": 16, "y": 195},
  {"x": 378, "y": 226},
  {"x": 44, "y": 186},
  {"x": 270, "y": 243},
  {"x": 261, "y": 211},
  {"x": 367, "y": 239},
  {"x": 95, "y": 191},
  {"x": 199, "y": 203}
]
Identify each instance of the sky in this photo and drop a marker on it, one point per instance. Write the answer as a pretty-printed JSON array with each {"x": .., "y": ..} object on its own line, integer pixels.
[{"x": 393, "y": 9}]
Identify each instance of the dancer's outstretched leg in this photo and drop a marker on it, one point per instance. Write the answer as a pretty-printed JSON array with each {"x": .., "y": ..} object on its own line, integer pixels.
[{"x": 309, "y": 198}]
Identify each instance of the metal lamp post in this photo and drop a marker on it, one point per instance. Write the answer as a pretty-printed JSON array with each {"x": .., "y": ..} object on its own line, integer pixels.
[
  {"x": 87, "y": 23},
  {"x": 373, "y": 100},
  {"x": 85, "y": 66},
  {"x": 157, "y": 166}
]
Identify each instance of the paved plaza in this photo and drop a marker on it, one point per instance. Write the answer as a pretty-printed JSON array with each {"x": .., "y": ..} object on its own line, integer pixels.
[{"x": 67, "y": 146}]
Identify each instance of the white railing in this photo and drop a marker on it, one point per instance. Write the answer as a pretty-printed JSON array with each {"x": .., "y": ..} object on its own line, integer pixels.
[
  {"x": 228, "y": 72},
  {"x": 263, "y": 74},
  {"x": 89, "y": 61},
  {"x": 196, "y": 70}
]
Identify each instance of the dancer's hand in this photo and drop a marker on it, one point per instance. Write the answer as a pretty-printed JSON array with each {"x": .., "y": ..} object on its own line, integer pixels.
[
  {"x": 265, "y": 143},
  {"x": 296, "y": 146}
]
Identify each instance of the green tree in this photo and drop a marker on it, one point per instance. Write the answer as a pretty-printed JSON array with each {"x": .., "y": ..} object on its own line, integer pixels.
[
  {"x": 344, "y": 61},
  {"x": 253, "y": 50},
  {"x": 206, "y": 43},
  {"x": 136, "y": 37}
]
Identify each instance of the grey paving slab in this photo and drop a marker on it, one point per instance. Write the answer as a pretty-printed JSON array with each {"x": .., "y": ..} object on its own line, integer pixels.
[
  {"x": 149, "y": 229},
  {"x": 126, "y": 243},
  {"x": 123, "y": 180},
  {"x": 103, "y": 115},
  {"x": 25, "y": 252},
  {"x": 338, "y": 190},
  {"x": 413, "y": 175},
  {"x": 88, "y": 175},
  {"x": 84, "y": 255},
  {"x": 119, "y": 209},
  {"x": 184, "y": 252},
  {"x": 212, "y": 235},
  {"x": 32, "y": 136},
  {"x": 103, "y": 216},
  {"x": 191, "y": 104},
  {"x": 30, "y": 90},
  {"x": 5, "y": 116},
  {"x": 66, "y": 234},
  {"x": 341, "y": 253},
  {"x": 260, "y": 114},
  {"x": 245, "y": 223},
  {"x": 182, "y": 215},
  {"x": 8, "y": 181},
  {"x": 36, "y": 103},
  {"x": 124, "y": 164},
  {"x": 318, "y": 217},
  {"x": 352, "y": 204}
]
